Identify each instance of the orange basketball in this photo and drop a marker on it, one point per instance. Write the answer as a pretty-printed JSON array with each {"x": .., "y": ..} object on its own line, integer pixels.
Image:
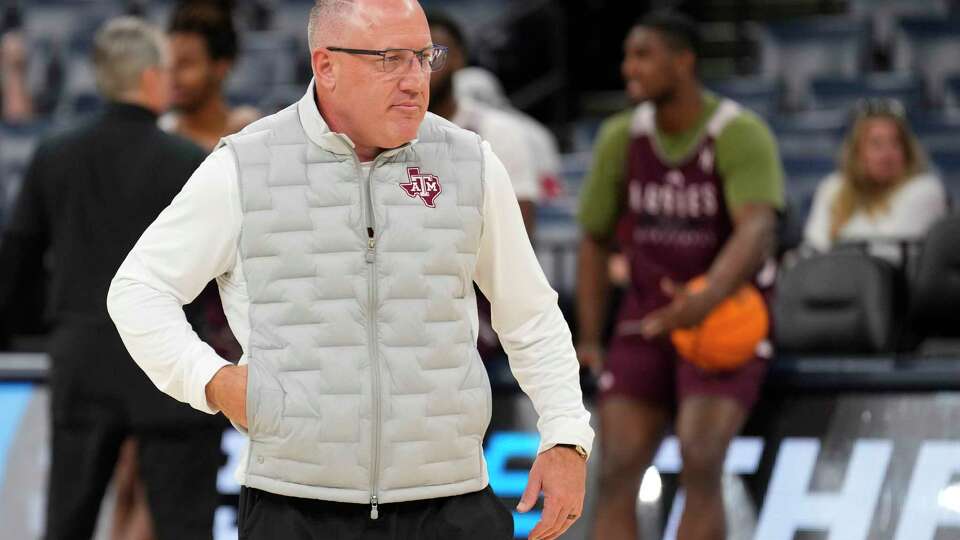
[{"x": 729, "y": 336}]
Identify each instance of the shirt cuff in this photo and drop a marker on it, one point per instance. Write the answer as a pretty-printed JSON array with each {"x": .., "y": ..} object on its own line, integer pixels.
[
  {"x": 567, "y": 431},
  {"x": 203, "y": 369}
]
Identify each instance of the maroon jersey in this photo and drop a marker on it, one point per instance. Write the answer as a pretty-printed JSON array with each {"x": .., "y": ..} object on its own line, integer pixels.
[{"x": 675, "y": 219}]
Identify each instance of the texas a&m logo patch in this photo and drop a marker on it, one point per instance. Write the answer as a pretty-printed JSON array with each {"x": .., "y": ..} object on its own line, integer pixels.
[{"x": 422, "y": 185}]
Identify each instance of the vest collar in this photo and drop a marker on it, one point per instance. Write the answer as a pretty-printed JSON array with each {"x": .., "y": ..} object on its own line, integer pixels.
[{"x": 320, "y": 134}]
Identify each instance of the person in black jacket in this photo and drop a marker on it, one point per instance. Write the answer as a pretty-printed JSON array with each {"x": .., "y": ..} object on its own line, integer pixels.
[{"x": 87, "y": 196}]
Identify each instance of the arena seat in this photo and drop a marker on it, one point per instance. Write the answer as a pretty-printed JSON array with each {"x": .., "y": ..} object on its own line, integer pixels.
[
  {"x": 843, "y": 92},
  {"x": 927, "y": 47},
  {"x": 797, "y": 51},
  {"x": 759, "y": 94},
  {"x": 935, "y": 289},
  {"x": 836, "y": 303}
]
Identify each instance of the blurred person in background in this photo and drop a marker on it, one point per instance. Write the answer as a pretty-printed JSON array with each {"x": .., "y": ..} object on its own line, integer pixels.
[
  {"x": 882, "y": 190},
  {"x": 204, "y": 44},
  {"x": 505, "y": 133},
  {"x": 204, "y": 47},
  {"x": 480, "y": 85},
  {"x": 508, "y": 140},
  {"x": 688, "y": 184},
  {"x": 345, "y": 233},
  {"x": 87, "y": 196},
  {"x": 17, "y": 102}
]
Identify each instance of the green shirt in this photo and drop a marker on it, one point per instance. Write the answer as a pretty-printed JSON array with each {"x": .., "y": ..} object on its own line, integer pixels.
[{"x": 747, "y": 160}]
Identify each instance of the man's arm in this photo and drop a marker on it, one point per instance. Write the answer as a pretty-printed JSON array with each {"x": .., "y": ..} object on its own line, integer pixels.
[
  {"x": 191, "y": 242},
  {"x": 535, "y": 335},
  {"x": 526, "y": 316},
  {"x": 593, "y": 288},
  {"x": 752, "y": 242},
  {"x": 600, "y": 205}
]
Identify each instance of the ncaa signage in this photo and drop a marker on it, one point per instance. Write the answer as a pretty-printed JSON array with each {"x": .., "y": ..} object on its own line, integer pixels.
[{"x": 931, "y": 503}]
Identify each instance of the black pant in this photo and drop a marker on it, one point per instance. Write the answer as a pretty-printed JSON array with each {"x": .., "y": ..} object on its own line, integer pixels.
[
  {"x": 473, "y": 516},
  {"x": 178, "y": 468}
]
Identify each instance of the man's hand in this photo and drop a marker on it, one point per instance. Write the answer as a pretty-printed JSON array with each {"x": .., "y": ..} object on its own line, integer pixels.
[
  {"x": 590, "y": 355},
  {"x": 561, "y": 473},
  {"x": 227, "y": 391},
  {"x": 684, "y": 311}
]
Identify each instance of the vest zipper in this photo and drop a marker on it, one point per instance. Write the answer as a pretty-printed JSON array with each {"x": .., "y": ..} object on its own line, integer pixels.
[{"x": 371, "y": 258}]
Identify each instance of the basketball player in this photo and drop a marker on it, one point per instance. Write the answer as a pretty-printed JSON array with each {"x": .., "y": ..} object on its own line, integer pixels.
[
  {"x": 692, "y": 183},
  {"x": 204, "y": 45}
]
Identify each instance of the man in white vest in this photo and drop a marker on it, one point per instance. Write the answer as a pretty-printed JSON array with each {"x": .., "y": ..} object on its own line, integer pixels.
[{"x": 345, "y": 233}]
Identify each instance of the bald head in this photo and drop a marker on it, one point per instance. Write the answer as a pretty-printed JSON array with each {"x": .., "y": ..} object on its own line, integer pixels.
[
  {"x": 331, "y": 20},
  {"x": 356, "y": 95}
]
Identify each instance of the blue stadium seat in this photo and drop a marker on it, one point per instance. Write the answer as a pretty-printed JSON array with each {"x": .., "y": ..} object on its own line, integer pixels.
[
  {"x": 797, "y": 51},
  {"x": 810, "y": 169},
  {"x": 883, "y": 15},
  {"x": 952, "y": 88},
  {"x": 266, "y": 59},
  {"x": 843, "y": 92},
  {"x": 760, "y": 95},
  {"x": 928, "y": 48},
  {"x": 947, "y": 162}
]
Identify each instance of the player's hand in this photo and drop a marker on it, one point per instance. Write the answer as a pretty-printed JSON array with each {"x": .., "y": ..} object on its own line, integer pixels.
[
  {"x": 684, "y": 311},
  {"x": 590, "y": 355},
  {"x": 227, "y": 391},
  {"x": 561, "y": 473}
]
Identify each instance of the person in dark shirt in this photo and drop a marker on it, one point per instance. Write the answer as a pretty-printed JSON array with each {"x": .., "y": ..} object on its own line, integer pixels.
[{"x": 87, "y": 196}]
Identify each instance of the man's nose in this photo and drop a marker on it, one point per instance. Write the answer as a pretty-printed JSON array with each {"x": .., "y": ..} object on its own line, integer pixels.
[{"x": 413, "y": 76}]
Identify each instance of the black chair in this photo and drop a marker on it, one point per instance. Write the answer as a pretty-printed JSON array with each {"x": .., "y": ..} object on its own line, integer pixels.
[
  {"x": 836, "y": 303},
  {"x": 935, "y": 288}
]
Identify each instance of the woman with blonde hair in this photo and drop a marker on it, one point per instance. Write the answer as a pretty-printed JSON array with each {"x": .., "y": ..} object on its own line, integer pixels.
[{"x": 883, "y": 191}]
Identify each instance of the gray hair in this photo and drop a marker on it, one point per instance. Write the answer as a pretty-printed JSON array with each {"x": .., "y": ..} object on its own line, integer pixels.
[
  {"x": 122, "y": 49},
  {"x": 324, "y": 20}
]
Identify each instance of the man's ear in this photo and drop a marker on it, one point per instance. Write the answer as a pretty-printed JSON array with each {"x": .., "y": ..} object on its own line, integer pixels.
[{"x": 324, "y": 68}]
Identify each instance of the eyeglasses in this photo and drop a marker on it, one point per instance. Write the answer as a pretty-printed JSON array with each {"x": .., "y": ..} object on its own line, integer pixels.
[{"x": 431, "y": 58}]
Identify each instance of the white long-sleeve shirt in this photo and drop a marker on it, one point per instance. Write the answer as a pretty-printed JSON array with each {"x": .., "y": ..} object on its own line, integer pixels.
[{"x": 196, "y": 239}]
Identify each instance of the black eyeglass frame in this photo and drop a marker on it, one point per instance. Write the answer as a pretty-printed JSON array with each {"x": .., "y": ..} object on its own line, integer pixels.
[{"x": 382, "y": 53}]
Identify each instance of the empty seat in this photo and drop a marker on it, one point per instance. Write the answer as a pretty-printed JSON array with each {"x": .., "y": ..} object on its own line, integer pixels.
[
  {"x": 928, "y": 48},
  {"x": 797, "y": 51},
  {"x": 947, "y": 162},
  {"x": 266, "y": 59},
  {"x": 843, "y": 92},
  {"x": 806, "y": 169},
  {"x": 836, "y": 303},
  {"x": 760, "y": 95},
  {"x": 935, "y": 288}
]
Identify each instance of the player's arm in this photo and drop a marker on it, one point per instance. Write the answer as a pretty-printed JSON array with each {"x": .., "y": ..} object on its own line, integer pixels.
[
  {"x": 748, "y": 160},
  {"x": 593, "y": 288},
  {"x": 600, "y": 205},
  {"x": 753, "y": 241}
]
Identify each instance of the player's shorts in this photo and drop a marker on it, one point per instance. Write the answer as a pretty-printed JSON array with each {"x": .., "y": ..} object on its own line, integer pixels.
[{"x": 651, "y": 371}]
